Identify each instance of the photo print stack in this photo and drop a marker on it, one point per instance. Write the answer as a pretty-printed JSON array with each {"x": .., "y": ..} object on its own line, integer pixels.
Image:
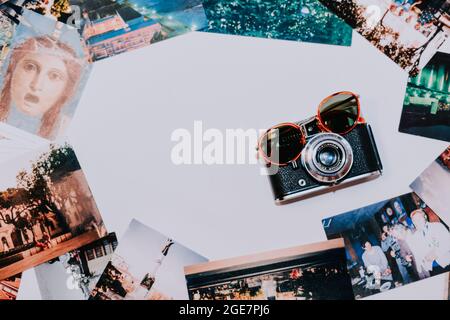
[
  {"x": 50, "y": 222},
  {"x": 146, "y": 266}
]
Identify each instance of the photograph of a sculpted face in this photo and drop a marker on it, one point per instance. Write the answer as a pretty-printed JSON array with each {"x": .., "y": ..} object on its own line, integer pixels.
[
  {"x": 9, "y": 288},
  {"x": 310, "y": 272},
  {"x": 296, "y": 20},
  {"x": 433, "y": 185},
  {"x": 426, "y": 107},
  {"x": 391, "y": 243},
  {"x": 43, "y": 76},
  {"x": 46, "y": 209},
  {"x": 146, "y": 266},
  {"x": 73, "y": 275},
  {"x": 408, "y": 31},
  {"x": 111, "y": 27}
]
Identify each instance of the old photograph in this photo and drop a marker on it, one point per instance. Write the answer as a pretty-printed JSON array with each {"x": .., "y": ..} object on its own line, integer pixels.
[
  {"x": 426, "y": 107},
  {"x": 42, "y": 76},
  {"x": 391, "y": 243},
  {"x": 146, "y": 266},
  {"x": 310, "y": 272},
  {"x": 409, "y": 32},
  {"x": 433, "y": 185},
  {"x": 46, "y": 209},
  {"x": 73, "y": 275}
]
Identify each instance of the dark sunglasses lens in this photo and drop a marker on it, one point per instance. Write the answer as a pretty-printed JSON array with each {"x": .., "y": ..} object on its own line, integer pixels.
[
  {"x": 340, "y": 112},
  {"x": 282, "y": 144}
]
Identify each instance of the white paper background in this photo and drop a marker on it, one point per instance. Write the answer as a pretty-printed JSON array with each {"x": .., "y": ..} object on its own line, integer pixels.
[{"x": 133, "y": 102}]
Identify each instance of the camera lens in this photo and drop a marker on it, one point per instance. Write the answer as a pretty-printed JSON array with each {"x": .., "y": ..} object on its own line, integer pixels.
[{"x": 328, "y": 156}]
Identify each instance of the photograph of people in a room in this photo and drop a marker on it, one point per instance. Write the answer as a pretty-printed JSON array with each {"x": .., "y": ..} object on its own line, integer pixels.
[
  {"x": 43, "y": 76},
  {"x": 408, "y": 31},
  {"x": 297, "y": 20},
  {"x": 73, "y": 275},
  {"x": 111, "y": 27},
  {"x": 9, "y": 287},
  {"x": 311, "y": 272},
  {"x": 145, "y": 266},
  {"x": 426, "y": 107},
  {"x": 391, "y": 243},
  {"x": 433, "y": 185},
  {"x": 46, "y": 208}
]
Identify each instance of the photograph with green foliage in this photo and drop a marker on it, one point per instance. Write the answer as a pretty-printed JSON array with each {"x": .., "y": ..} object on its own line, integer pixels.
[
  {"x": 46, "y": 209},
  {"x": 296, "y": 20}
]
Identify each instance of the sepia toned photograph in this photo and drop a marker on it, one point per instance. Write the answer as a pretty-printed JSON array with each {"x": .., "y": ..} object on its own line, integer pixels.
[
  {"x": 391, "y": 244},
  {"x": 311, "y": 272},
  {"x": 409, "y": 32},
  {"x": 433, "y": 185},
  {"x": 146, "y": 266},
  {"x": 111, "y": 27},
  {"x": 73, "y": 275},
  {"x": 9, "y": 288},
  {"x": 42, "y": 76},
  {"x": 46, "y": 209},
  {"x": 296, "y": 20},
  {"x": 426, "y": 107}
]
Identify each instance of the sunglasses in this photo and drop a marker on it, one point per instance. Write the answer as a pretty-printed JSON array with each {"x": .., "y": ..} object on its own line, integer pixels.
[{"x": 338, "y": 113}]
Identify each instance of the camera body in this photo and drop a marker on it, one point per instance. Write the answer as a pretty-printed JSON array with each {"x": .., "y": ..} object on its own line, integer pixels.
[{"x": 328, "y": 162}]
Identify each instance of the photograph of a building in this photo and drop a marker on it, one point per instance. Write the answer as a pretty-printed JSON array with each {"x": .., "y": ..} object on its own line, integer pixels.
[
  {"x": 9, "y": 288},
  {"x": 46, "y": 209},
  {"x": 73, "y": 275},
  {"x": 391, "y": 243},
  {"x": 426, "y": 107},
  {"x": 145, "y": 266},
  {"x": 111, "y": 27},
  {"x": 311, "y": 272}
]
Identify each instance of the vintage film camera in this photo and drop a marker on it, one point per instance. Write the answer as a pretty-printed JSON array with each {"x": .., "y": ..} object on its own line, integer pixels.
[{"x": 330, "y": 151}]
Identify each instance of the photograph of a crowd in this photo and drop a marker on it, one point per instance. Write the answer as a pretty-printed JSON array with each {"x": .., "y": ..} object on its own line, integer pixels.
[
  {"x": 312, "y": 272},
  {"x": 407, "y": 31},
  {"x": 391, "y": 243},
  {"x": 426, "y": 107},
  {"x": 46, "y": 209}
]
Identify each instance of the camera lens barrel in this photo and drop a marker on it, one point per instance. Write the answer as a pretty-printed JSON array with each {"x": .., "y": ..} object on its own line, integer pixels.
[{"x": 327, "y": 157}]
